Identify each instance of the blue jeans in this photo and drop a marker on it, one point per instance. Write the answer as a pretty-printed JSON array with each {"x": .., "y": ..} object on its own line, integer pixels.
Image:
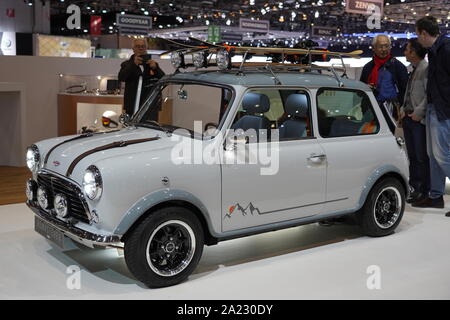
[
  {"x": 419, "y": 164},
  {"x": 438, "y": 148}
]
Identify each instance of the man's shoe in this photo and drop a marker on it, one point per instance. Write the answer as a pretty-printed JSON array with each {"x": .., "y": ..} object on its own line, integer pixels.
[
  {"x": 447, "y": 214},
  {"x": 437, "y": 203},
  {"x": 415, "y": 197}
]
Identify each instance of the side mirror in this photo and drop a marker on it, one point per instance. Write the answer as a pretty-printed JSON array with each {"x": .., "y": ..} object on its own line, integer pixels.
[{"x": 124, "y": 119}]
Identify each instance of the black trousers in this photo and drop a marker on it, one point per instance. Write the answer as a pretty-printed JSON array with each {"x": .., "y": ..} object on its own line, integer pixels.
[{"x": 416, "y": 145}]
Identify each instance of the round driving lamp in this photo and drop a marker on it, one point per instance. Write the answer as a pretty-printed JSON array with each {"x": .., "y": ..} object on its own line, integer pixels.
[
  {"x": 223, "y": 59},
  {"x": 60, "y": 205},
  {"x": 42, "y": 197},
  {"x": 32, "y": 158},
  {"x": 92, "y": 183},
  {"x": 177, "y": 59},
  {"x": 200, "y": 59},
  {"x": 31, "y": 189}
]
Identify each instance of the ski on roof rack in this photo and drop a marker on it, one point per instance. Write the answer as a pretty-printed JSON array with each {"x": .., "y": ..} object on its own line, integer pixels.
[{"x": 281, "y": 59}]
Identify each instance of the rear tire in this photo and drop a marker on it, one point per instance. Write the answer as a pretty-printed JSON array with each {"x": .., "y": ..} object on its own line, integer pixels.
[
  {"x": 165, "y": 248},
  {"x": 383, "y": 209}
]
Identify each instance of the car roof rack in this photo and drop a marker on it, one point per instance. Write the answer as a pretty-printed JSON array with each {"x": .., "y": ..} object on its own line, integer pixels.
[{"x": 207, "y": 50}]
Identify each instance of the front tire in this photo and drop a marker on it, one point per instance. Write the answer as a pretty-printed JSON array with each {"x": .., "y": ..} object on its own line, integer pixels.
[
  {"x": 165, "y": 247},
  {"x": 383, "y": 209}
]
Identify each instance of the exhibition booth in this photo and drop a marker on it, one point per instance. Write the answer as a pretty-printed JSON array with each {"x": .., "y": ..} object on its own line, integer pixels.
[{"x": 88, "y": 211}]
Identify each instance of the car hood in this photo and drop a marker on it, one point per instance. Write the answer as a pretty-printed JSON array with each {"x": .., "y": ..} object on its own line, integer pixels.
[{"x": 66, "y": 154}]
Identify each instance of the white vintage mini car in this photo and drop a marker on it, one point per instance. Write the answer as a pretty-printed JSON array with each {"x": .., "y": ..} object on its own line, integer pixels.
[{"x": 235, "y": 154}]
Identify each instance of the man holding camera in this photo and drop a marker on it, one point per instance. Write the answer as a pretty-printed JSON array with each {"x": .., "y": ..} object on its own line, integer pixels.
[{"x": 140, "y": 73}]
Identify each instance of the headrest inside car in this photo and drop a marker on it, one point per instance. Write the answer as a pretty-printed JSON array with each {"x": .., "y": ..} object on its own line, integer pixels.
[
  {"x": 255, "y": 103},
  {"x": 297, "y": 105}
]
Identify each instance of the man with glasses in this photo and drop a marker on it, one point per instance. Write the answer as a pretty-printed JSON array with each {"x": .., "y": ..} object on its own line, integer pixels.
[
  {"x": 386, "y": 76},
  {"x": 140, "y": 73}
]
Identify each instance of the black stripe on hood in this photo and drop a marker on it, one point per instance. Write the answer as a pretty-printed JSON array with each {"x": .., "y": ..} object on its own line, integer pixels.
[
  {"x": 84, "y": 135},
  {"x": 116, "y": 144}
]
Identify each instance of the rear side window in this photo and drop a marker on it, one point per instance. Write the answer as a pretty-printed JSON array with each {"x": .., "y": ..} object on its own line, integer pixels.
[{"x": 345, "y": 112}]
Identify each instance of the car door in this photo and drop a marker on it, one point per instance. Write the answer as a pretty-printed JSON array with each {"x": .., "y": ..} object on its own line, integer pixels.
[
  {"x": 349, "y": 134},
  {"x": 286, "y": 182}
]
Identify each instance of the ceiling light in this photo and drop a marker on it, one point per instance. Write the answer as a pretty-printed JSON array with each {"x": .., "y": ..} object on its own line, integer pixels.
[{"x": 316, "y": 15}]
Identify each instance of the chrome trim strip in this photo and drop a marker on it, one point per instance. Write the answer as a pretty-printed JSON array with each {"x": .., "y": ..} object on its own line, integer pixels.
[
  {"x": 306, "y": 205},
  {"x": 73, "y": 232}
]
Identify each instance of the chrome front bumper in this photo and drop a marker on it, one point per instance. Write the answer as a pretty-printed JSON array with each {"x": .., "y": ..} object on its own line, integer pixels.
[{"x": 84, "y": 237}]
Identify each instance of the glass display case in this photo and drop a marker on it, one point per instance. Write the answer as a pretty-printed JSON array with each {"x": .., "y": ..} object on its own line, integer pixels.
[
  {"x": 92, "y": 84},
  {"x": 84, "y": 100}
]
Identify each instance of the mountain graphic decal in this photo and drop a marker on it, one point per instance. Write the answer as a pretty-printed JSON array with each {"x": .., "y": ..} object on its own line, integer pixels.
[{"x": 237, "y": 207}]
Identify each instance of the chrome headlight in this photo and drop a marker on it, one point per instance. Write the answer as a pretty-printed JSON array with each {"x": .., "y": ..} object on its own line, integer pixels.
[
  {"x": 200, "y": 59},
  {"x": 33, "y": 158},
  {"x": 177, "y": 59},
  {"x": 92, "y": 183},
  {"x": 31, "y": 190},
  {"x": 42, "y": 197},
  {"x": 223, "y": 59},
  {"x": 60, "y": 205}
]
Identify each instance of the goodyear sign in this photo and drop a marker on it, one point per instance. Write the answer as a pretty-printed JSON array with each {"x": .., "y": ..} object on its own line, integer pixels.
[{"x": 133, "y": 24}]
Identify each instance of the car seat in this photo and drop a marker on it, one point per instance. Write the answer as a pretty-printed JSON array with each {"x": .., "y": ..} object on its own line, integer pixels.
[
  {"x": 297, "y": 123},
  {"x": 254, "y": 105}
]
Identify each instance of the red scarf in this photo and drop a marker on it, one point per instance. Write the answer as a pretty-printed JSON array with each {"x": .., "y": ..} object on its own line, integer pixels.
[{"x": 373, "y": 77}]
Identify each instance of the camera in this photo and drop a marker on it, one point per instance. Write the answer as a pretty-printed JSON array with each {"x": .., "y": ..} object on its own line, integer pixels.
[{"x": 145, "y": 58}]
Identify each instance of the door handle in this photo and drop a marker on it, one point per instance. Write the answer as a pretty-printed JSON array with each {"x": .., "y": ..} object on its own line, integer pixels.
[{"x": 317, "y": 158}]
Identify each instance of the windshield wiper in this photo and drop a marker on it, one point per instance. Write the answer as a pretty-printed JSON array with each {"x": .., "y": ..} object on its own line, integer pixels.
[{"x": 156, "y": 123}]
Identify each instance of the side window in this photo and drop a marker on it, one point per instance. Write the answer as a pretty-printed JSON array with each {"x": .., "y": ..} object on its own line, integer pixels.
[
  {"x": 344, "y": 112},
  {"x": 266, "y": 109}
]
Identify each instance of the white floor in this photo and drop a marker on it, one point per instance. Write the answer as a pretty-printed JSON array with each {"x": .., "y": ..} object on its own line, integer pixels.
[{"x": 309, "y": 262}]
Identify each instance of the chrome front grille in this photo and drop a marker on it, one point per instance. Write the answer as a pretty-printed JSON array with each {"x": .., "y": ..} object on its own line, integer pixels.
[{"x": 54, "y": 185}]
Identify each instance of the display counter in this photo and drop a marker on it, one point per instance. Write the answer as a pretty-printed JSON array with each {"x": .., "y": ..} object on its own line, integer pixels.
[{"x": 82, "y": 110}]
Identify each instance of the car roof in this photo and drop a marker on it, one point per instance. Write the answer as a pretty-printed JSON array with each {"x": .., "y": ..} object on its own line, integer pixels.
[{"x": 265, "y": 78}]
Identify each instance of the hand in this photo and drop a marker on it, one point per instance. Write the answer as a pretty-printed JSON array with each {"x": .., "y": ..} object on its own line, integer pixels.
[
  {"x": 401, "y": 116},
  {"x": 414, "y": 117},
  {"x": 137, "y": 60},
  {"x": 152, "y": 64}
]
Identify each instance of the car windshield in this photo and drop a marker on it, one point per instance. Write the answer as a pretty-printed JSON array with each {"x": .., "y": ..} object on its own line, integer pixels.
[{"x": 194, "y": 107}]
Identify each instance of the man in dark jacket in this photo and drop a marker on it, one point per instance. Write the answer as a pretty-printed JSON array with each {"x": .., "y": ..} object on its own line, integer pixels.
[
  {"x": 139, "y": 72},
  {"x": 438, "y": 110},
  {"x": 385, "y": 75}
]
